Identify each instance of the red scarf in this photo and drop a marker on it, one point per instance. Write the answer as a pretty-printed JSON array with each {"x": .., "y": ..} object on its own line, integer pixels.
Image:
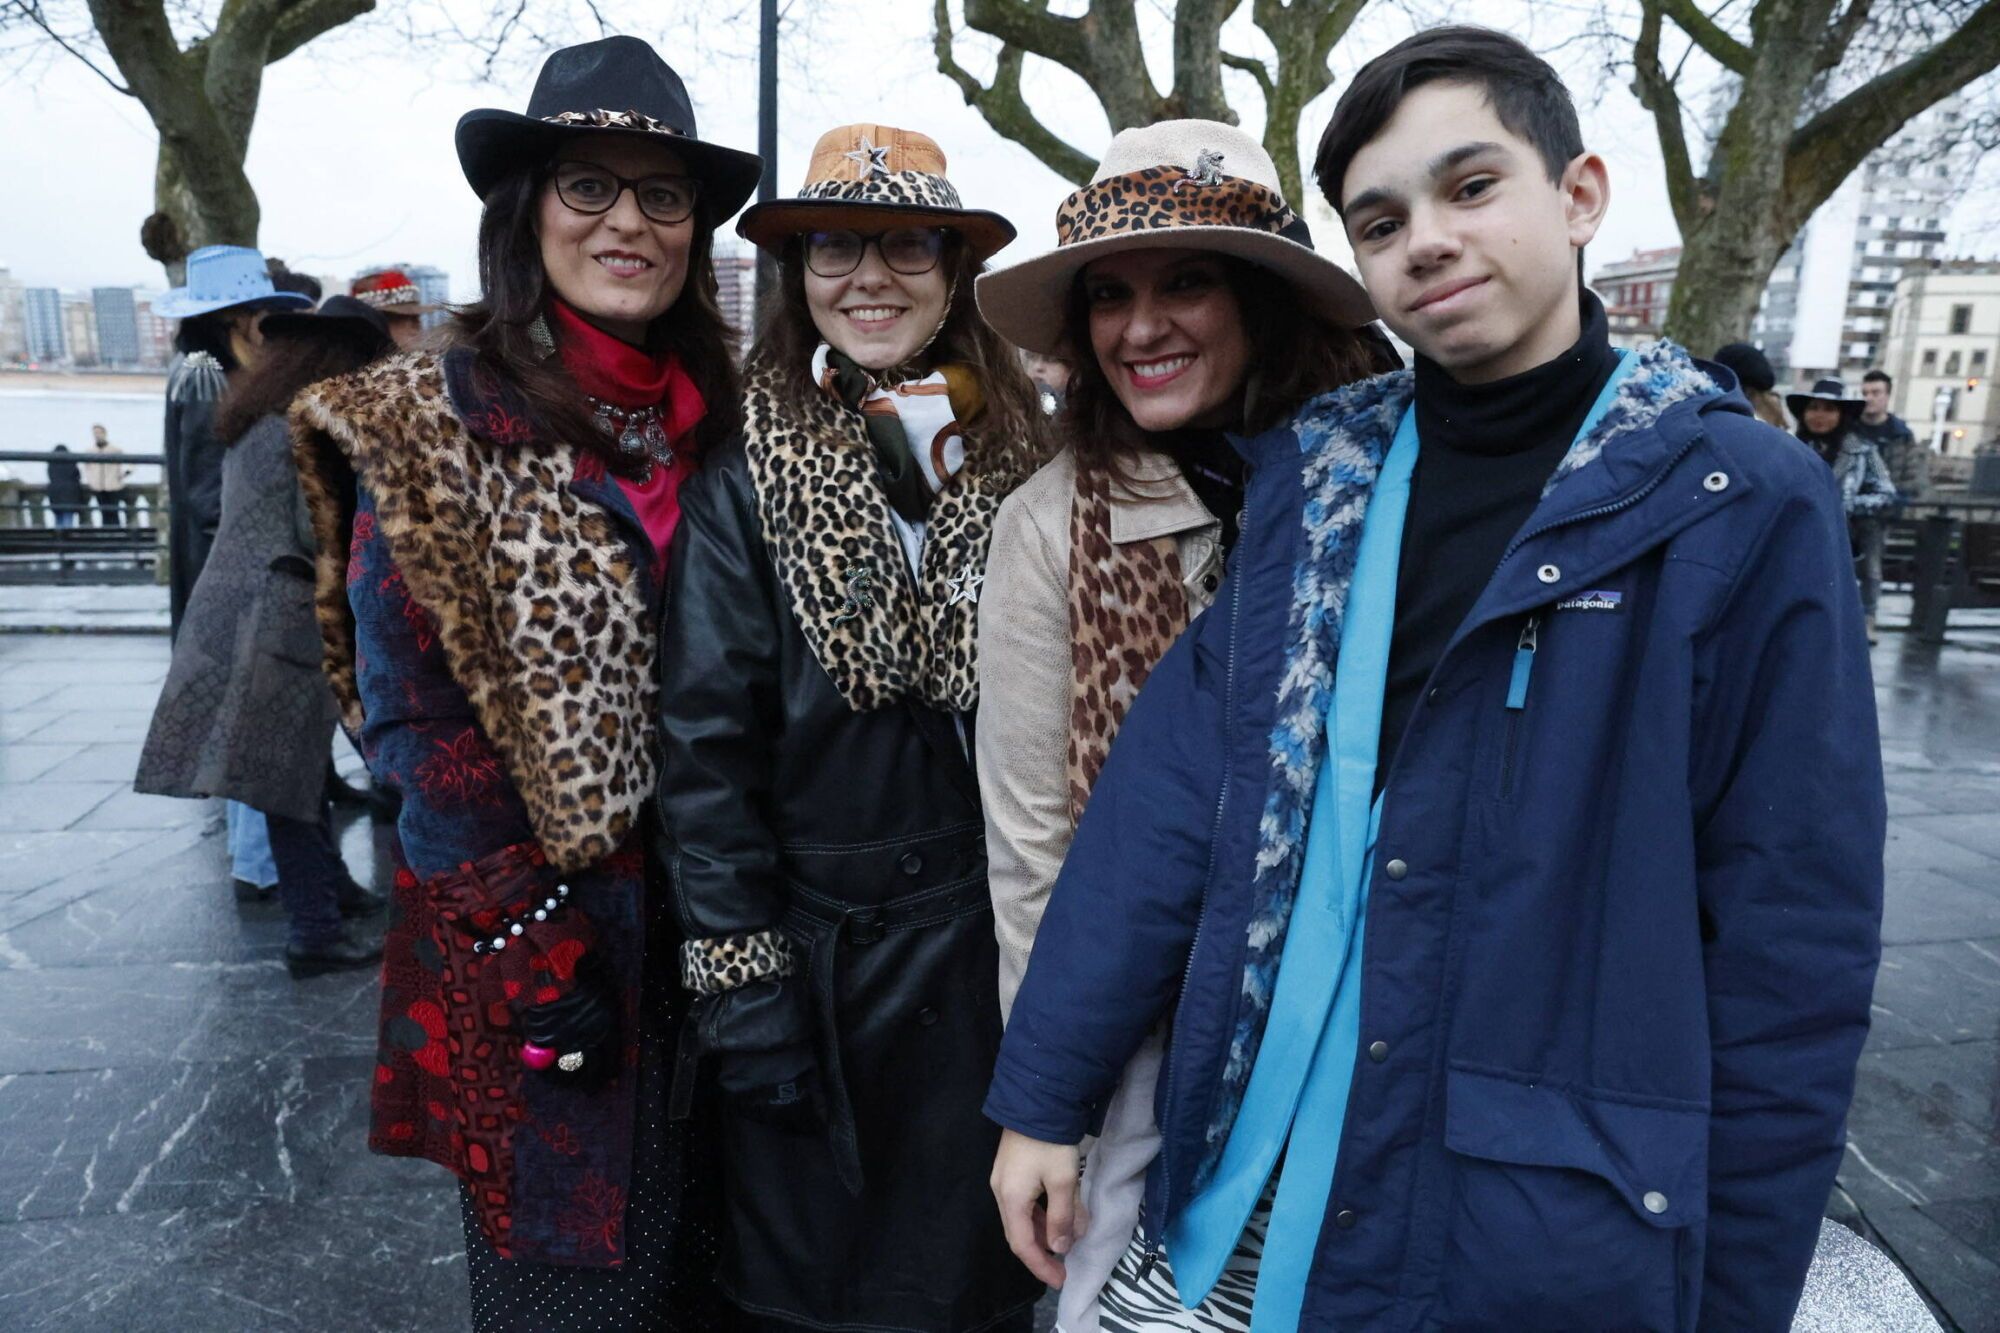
[{"x": 610, "y": 368}]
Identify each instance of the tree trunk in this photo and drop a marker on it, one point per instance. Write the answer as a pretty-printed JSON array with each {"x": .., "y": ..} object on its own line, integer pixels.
[{"x": 1769, "y": 172}]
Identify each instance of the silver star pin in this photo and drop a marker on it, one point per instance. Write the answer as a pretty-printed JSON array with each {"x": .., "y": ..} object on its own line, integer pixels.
[
  {"x": 964, "y": 586},
  {"x": 873, "y": 161}
]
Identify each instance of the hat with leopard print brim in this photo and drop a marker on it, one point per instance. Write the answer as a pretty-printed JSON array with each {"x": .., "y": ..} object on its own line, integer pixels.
[
  {"x": 616, "y": 86},
  {"x": 874, "y": 176},
  {"x": 1180, "y": 184}
]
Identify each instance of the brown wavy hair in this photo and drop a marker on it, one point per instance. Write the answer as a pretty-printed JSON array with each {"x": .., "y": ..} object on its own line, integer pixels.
[
  {"x": 1009, "y": 437},
  {"x": 516, "y": 291},
  {"x": 290, "y": 364},
  {"x": 1294, "y": 357}
]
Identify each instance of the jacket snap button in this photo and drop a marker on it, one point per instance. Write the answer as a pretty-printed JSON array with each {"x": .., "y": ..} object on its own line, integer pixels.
[
  {"x": 1548, "y": 573},
  {"x": 1397, "y": 868},
  {"x": 927, "y": 1016},
  {"x": 1655, "y": 1202},
  {"x": 911, "y": 863},
  {"x": 1716, "y": 481},
  {"x": 1344, "y": 1219},
  {"x": 1208, "y": 583},
  {"x": 1378, "y": 1051}
]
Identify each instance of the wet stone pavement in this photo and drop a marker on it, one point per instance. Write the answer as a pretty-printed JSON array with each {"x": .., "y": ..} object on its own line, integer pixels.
[{"x": 182, "y": 1125}]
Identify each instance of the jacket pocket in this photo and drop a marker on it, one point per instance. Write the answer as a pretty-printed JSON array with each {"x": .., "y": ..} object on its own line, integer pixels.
[
  {"x": 1570, "y": 1210},
  {"x": 287, "y": 625}
]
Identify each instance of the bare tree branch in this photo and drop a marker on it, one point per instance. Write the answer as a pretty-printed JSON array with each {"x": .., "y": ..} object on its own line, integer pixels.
[
  {"x": 1004, "y": 108},
  {"x": 1841, "y": 36},
  {"x": 1709, "y": 35},
  {"x": 1655, "y": 92},
  {"x": 34, "y": 15},
  {"x": 1255, "y": 68}
]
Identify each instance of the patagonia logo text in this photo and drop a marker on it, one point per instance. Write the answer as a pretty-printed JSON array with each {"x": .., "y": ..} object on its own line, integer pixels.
[{"x": 1599, "y": 600}]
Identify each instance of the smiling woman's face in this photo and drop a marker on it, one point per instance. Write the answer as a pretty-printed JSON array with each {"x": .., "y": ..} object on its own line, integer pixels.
[
  {"x": 618, "y": 269},
  {"x": 875, "y": 315},
  {"x": 1167, "y": 331}
]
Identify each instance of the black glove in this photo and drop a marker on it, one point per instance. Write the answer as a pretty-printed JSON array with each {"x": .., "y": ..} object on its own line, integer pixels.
[
  {"x": 585, "y": 1022},
  {"x": 778, "y": 1088}
]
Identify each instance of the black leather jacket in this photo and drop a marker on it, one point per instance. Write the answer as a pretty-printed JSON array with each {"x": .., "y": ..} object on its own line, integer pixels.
[{"x": 859, "y": 835}]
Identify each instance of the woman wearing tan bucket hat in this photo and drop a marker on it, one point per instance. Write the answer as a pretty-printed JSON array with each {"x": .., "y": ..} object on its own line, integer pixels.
[
  {"x": 1182, "y": 295},
  {"x": 818, "y": 807}
]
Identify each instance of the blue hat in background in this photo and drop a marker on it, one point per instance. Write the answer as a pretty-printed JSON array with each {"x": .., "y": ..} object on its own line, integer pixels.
[{"x": 222, "y": 276}]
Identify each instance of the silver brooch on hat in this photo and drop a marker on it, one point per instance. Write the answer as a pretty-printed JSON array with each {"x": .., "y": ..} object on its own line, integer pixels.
[{"x": 1207, "y": 168}]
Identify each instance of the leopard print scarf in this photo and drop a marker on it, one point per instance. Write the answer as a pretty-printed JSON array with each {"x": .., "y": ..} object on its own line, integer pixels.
[
  {"x": 880, "y": 634},
  {"x": 1127, "y": 605}
]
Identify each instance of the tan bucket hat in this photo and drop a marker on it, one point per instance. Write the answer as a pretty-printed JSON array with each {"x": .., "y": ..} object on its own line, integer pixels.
[
  {"x": 864, "y": 176},
  {"x": 1179, "y": 184}
]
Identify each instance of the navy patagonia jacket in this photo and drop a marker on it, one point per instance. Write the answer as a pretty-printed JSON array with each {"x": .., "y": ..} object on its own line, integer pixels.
[{"x": 1625, "y": 914}]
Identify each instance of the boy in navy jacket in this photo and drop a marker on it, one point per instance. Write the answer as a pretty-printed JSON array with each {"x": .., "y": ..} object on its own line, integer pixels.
[{"x": 1506, "y": 843}]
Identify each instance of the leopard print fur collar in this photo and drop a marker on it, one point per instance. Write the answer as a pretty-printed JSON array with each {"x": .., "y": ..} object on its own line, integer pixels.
[
  {"x": 540, "y": 607},
  {"x": 880, "y": 635}
]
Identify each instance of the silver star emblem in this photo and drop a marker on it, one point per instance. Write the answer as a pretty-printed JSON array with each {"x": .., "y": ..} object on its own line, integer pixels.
[
  {"x": 964, "y": 586},
  {"x": 1207, "y": 168},
  {"x": 873, "y": 161}
]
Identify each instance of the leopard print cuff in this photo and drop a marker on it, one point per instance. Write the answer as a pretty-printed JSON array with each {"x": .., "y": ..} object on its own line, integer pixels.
[{"x": 724, "y": 962}]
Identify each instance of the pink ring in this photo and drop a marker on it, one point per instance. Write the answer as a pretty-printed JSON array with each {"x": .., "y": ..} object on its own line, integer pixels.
[{"x": 537, "y": 1057}]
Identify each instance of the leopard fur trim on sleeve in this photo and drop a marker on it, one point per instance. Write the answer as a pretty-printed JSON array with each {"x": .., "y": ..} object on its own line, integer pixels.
[{"x": 724, "y": 962}]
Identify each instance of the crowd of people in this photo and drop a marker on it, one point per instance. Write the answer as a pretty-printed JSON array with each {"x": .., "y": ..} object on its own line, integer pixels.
[{"x": 1472, "y": 925}]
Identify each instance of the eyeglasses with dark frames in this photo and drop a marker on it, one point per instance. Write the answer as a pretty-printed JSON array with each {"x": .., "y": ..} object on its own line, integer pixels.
[
  {"x": 585, "y": 187},
  {"x": 906, "y": 250}
]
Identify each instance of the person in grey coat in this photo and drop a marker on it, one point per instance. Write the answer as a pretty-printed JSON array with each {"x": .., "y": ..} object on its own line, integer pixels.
[{"x": 246, "y": 712}]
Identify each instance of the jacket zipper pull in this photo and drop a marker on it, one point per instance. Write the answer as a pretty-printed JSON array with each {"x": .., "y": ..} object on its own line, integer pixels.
[{"x": 1524, "y": 664}]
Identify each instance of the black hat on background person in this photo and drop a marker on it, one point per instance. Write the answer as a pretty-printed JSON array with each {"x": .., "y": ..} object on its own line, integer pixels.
[
  {"x": 617, "y": 85},
  {"x": 1750, "y": 366},
  {"x": 342, "y": 316},
  {"x": 1827, "y": 389}
]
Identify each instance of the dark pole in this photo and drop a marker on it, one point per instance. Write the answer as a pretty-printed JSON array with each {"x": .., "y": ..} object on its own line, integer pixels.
[{"x": 767, "y": 134}]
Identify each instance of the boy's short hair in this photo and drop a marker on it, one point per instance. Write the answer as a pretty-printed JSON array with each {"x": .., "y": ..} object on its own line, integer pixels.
[
  {"x": 1878, "y": 377},
  {"x": 1526, "y": 94}
]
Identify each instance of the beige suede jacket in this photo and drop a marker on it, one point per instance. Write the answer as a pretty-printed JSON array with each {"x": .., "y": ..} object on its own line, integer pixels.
[{"x": 1024, "y": 673}]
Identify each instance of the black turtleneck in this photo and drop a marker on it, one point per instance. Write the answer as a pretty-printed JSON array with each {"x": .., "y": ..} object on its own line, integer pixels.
[
  {"x": 1215, "y": 472},
  {"x": 1486, "y": 451}
]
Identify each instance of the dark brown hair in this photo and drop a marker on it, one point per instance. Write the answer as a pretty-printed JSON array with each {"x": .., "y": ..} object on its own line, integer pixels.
[
  {"x": 290, "y": 363},
  {"x": 515, "y": 290},
  {"x": 1009, "y": 436},
  {"x": 1294, "y": 356},
  {"x": 1525, "y": 92}
]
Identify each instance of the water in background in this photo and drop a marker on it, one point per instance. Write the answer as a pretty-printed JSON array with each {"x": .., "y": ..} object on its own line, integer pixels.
[{"x": 43, "y": 418}]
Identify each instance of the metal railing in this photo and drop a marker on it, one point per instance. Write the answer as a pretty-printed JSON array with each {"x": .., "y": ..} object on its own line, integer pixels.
[{"x": 43, "y": 542}]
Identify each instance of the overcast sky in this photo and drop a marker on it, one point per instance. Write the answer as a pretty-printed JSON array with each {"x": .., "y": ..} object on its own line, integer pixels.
[{"x": 353, "y": 161}]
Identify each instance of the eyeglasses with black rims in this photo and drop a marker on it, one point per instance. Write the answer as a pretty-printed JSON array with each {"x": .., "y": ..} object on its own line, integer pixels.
[
  {"x": 585, "y": 187},
  {"x": 906, "y": 250}
]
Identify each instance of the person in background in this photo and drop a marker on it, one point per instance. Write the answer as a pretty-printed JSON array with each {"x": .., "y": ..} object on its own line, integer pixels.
[
  {"x": 105, "y": 476},
  {"x": 818, "y": 807},
  {"x": 1757, "y": 380},
  {"x": 245, "y": 712},
  {"x": 1113, "y": 547},
  {"x": 392, "y": 292},
  {"x": 494, "y": 518},
  {"x": 1828, "y": 421},
  {"x": 1051, "y": 377},
  {"x": 286, "y": 280},
  {"x": 227, "y": 295},
  {"x": 65, "y": 494},
  {"x": 1908, "y": 460}
]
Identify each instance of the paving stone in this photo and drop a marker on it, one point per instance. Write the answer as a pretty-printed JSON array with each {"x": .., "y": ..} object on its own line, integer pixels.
[
  {"x": 26, "y": 761},
  {"x": 48, "y": 807}
]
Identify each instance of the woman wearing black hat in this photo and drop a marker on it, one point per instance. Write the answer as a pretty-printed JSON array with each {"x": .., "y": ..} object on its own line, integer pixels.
[
  {"x": 1757, "y": 380},
  {"x": 245, "y": 712},
  {"x": 1826, "y": 423},
  {"x": 818, "y": 807},
  {"x": 493, "y": 524}
]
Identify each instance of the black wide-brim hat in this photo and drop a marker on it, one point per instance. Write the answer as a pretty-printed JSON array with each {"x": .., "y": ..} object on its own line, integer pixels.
[
  {"x": 339, "y": 316},
  {"x": 1828, "y": 390},
  {"x": 618, "y": 85}
]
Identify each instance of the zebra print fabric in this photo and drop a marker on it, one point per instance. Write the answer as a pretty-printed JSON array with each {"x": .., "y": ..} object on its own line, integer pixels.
[{"x": 1142, "y": 1299}]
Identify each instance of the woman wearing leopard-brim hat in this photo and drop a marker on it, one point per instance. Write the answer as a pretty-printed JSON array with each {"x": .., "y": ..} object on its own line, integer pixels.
[
  {"x": 493, "y": 523},
  {"x": 818, "y": 809},
  {"x": 1185, "y": 296}
]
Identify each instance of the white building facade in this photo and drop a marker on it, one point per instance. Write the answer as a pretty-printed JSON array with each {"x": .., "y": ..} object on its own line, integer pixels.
[{"x": 1943, "y": 349}]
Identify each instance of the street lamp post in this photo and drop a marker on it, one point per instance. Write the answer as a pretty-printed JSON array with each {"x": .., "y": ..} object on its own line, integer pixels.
[
  {"x": 1940, "y": 410},
  {"x": 767, "y": 134}
]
